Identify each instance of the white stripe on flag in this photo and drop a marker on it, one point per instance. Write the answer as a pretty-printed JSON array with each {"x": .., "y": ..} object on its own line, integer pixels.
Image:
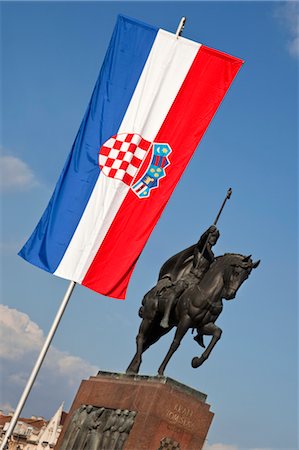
[
  {"x": 166, "y": 68},
  {"x": 104, "y": 202},
  {"x": 164, "y": 72}
]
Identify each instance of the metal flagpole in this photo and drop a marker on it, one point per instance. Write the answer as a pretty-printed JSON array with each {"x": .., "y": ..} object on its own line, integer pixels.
[
  {"x": 38, "y": 365},
  {"x": 180, "y": 27}
]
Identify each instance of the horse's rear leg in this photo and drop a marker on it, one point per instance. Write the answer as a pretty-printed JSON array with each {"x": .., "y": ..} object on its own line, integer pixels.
[
  {"x": 136, "y": 361},
  {"x": 182, "y": 329},
  {"x": 153, "y": 334}
]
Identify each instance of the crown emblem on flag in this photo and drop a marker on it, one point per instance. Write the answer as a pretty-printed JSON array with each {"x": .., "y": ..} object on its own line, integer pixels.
[
  {"x": 122, "y": 156},
  {"x": 155, "y": 171}
]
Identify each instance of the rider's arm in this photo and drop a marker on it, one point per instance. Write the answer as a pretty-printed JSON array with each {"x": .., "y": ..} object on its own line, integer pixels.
[{"x": 201, "y": 243}]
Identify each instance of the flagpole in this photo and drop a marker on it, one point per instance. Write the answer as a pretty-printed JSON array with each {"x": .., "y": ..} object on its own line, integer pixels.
[
  {"x": 38, "y": 364},
  {"x": 180, "y": 27}
]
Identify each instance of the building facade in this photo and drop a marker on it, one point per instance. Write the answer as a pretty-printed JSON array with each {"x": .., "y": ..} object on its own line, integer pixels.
[{"x": 33, "y": 433}]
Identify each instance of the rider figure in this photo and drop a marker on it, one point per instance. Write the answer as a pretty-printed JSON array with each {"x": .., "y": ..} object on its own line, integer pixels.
[{"x": 172, "y": 285}]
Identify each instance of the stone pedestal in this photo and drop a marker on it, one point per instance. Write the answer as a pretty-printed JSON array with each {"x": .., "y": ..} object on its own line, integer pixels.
[{"x": 169, "y": 415}]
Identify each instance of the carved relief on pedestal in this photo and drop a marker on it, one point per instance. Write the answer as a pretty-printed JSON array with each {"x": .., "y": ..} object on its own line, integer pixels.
[
  {"x": 95, "y": 428},
  {"x": 168, "y": 444}
]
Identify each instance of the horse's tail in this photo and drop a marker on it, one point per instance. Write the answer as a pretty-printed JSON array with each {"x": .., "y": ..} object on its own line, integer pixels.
[
  {"x": 147, "y": 303},
  {"x": 141, "y": 309}
]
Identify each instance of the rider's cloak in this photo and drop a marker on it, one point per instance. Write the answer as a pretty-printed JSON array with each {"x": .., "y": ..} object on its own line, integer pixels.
[{"x": 181, "y": 263}]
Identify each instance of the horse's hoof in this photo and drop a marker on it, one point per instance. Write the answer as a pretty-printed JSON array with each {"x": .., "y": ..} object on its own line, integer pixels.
[
  {"x": 131, "y": 371},
  {"x": 196, "y": 362}
]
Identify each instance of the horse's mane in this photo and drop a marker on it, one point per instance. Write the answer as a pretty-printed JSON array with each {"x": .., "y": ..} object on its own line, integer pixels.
[
  {"x": 233, "y": 255},
  {"x": 228, "y": 258},
  {"x": 223, "y": 262}
]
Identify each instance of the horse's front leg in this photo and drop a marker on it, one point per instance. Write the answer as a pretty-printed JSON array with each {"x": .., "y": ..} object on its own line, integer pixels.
[
  {"x": 209, "y": 329},
  {"x": 182, "y": 329}
]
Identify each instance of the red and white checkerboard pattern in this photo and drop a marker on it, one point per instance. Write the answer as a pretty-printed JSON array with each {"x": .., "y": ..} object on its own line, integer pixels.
[{"x": 121, "y": 156}]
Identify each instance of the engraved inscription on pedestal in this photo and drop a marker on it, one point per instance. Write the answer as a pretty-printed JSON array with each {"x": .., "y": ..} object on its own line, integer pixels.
[
  {"x": 180, "y": 416},
  {"x": 94, "y": 428}
]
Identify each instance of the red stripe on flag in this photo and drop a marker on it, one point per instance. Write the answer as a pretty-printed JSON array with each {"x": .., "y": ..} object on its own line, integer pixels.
[{"x": 189, "y": 116}]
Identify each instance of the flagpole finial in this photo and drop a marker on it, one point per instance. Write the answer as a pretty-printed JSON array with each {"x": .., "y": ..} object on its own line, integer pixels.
[{"x": 180, "y": 27}]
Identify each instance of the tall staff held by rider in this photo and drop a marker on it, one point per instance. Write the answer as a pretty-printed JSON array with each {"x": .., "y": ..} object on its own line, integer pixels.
[{"x": 228, "y": 195}]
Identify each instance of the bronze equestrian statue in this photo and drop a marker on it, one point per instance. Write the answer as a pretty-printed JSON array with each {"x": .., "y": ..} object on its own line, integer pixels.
[{"x": 189, "y": 294}]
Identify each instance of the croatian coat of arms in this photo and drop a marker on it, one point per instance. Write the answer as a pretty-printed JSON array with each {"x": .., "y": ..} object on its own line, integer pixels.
[{"x": 122, "y": 156}]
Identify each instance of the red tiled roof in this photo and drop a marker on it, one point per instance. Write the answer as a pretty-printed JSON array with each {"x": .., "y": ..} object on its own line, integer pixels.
[
  {"x": 4, "y": 419},
  {"x": 37, "y": 423}
]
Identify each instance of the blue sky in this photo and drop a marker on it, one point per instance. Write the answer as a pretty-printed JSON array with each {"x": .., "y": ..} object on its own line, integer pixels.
[{"x": 51, "y": 55}]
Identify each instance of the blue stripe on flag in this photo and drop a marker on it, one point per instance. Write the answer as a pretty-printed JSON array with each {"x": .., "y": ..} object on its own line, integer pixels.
[{"x": 127, "y": 53}]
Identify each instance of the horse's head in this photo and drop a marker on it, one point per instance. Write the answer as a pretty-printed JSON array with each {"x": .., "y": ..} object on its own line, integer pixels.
[{"x": 237, "y": 270}]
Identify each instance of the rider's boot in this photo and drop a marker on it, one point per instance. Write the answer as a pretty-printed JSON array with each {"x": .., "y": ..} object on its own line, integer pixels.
[
  {"x": 170, "y": 297},
  {"x": 165, "y": 320}
]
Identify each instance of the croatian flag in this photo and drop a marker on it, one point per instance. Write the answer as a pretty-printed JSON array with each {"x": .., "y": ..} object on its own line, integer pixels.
[{"x": 154, "y": 98}]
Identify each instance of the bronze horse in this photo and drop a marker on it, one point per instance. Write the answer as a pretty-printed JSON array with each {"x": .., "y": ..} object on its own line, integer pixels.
[{"x": 199, "y": 306}]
